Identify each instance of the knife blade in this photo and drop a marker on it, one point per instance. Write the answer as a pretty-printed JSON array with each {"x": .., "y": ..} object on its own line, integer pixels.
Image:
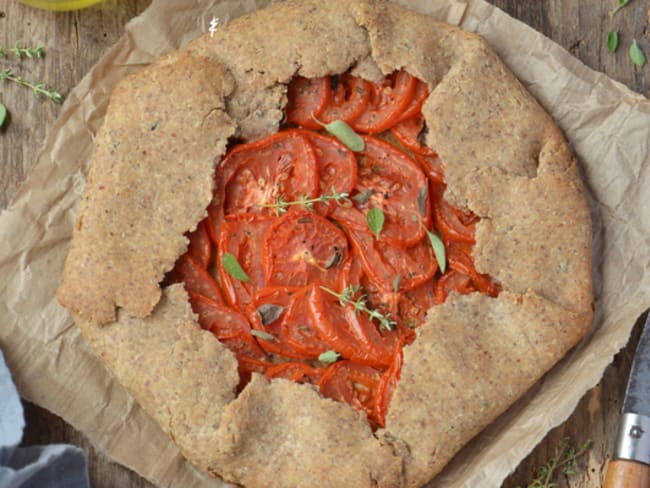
[{"x": 630, "y": 463}]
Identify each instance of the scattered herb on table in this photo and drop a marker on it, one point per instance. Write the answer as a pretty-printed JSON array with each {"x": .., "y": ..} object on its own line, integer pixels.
[
  {"x": 20, "y": 52},
  {"x": 3, "y": 115},
  {"x": 564, "y": 461},
  {"x": 636, "y": 55},
  {"x": 621, "y": 4},
  {"x": 38, "y": 89},
  {"x": 612, "y": 41}
]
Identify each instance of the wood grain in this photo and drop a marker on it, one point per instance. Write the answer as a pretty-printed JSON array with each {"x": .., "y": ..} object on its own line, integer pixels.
[{"x": 75, "y": 41}]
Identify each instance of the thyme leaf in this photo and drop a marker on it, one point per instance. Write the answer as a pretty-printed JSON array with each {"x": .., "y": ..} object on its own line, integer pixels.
[
  {"x": 438, "y": 249},
  {"x": 359, "y": 305},
  {"x": 329, "y": 356}
]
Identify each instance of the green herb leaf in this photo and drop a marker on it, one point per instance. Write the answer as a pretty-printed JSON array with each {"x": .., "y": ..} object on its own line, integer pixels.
[
  {"x": 397, "y": 282},
  {"x": 612, "y": 41},
  {"x": 233, "y": 268},
  {"x": 422, "y": 200},
  {"x": 269, "y": 312},
  {"x": 3, "y": 115},
  {"x": 262, "y": 335},
  {"x": 621, "y": 4},
  {"x": 439, "y": 250},
  {"x": 636, "y": 55},
  {"x": 344, "y": 133},
  {"x": 375, "y": 219},
  {"x": 329, "y": 356}
]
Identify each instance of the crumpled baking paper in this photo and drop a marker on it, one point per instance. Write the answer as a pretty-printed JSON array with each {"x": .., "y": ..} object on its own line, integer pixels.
[{"x": 606, "y": 123}]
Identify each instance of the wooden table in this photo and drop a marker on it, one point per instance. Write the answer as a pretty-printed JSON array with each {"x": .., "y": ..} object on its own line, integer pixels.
[{"x": 75, "y": 41}]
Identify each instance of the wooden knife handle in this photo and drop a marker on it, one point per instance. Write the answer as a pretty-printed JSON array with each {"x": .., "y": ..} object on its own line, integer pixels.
[{"x": 622, "y": 473}]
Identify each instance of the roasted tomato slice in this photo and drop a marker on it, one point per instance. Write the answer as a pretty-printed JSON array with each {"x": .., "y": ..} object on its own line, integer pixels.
[
  {"x": 387, "y": 103},
  {"x": 241, "y": 236},
  {"x": 298, "y": 328},
  {"x": 414, "y": 304},
  {"x": 385, "y": 389},
  {"x": 195, "y": 278},
  {"x": 255, "y": 176},
  {"x": 307, "y": 98},
  {"x": 301, "y": 248},
  {"x": 337, "y": 168},
  {"x": 391, "y": 181},
  {"x": 419, "y": 96},
  {"x": 459, "y": 258},
  {"x": 449, "y": 220},
  {"x": 200, "y": 247},
  {"x": 350, "y": 96},
  {"x": 453, "y": 281},
  {"x": 383, "y": 262},
  {"x": 266, "y": 314},
  {"x": 352, "y": 383},
  {"x": 298, "y": 372},
  {"x": 221, "y": 320},
  {"x": 408, "y": 133}
]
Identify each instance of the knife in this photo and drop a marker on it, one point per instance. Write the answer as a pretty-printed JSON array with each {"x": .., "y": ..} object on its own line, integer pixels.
[{"x": 630, "y": 463}]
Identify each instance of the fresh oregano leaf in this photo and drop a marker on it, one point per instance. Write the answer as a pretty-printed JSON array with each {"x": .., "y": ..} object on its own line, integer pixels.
[
  {"x": 344, "y": 133},
  {"x": 262, "y": 335},
  {"x": 422, "y": 200},
  {"x": 270, "y": 312},
  {"x": 375, "y": 219},
  {"x": 3, "y": 115},
  {"x": 329, "y": 356},
  {"x": 636, "y": 55},
  {"x": 612, "y": 41},
  {"x": 233, "y": 268},
  {"x": 439, "y": 250}
]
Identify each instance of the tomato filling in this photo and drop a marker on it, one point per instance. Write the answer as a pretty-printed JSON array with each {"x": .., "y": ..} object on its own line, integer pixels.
[{"x": 315, "y": 263}]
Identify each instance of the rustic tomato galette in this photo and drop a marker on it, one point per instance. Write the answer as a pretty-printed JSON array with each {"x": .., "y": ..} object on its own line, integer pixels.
[{"x": 329, "y": 244}]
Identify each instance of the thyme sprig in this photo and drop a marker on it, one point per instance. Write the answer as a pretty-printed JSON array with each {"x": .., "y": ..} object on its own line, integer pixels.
[
  {"x": 38, "y": 89},
  {"x": 281, "y": 205},
  {"x": 564, "y": 461},
  {"x": 23, "y": 52},
  {"x": 359, "y": 304}
]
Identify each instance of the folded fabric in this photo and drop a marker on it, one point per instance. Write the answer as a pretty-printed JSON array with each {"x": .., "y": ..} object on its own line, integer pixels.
[{"x": 55, "y": 466}]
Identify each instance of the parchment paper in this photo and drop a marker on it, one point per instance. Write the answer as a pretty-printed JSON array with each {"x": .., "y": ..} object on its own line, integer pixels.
[{"x": 607, "y": 125}]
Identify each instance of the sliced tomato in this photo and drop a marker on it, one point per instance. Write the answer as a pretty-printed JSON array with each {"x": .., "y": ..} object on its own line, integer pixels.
[
  {"x": 337, "y": 168},
  {"x": 291, "y": 370},
  {"x": 408, "y": 133},
  {"x": 302, "y": 247},
  {"x": 387, "y": 103},
  {"x": 390, "y": 181},
  {"x": 414, "y": 304},
  {"x": 352, "y": 383},
  {"x": 385, "y": 389},
  {"x": 383, "y": 262},
  {"x": 453, "y": 281},
  {"x": 200, "y": 247},
  {"x": 431, "y": 164},
  {"x": 195, "y": 278},
  {"x": 252, "y": 176},
  {"x": 419, "y": 96},
  {"x": 307, "y": 98},
  {"x": 266, "y": 314},
  {"x": 244, "y": 345},
  {"x": 350, "y": 95},
  {"x": 298, "y": 328},
  {"x": 459, "y": 258},
  {"x": 221, "y": 320},
  {"x": 241, "y": 236},
  {"x": 448, "y": 219}
]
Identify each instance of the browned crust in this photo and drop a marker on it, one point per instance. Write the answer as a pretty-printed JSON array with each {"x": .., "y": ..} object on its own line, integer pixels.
[{"x": 504, "y": 159}]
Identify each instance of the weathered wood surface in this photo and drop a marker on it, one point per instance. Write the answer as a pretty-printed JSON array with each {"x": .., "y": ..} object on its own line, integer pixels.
[{"x": 75, "y": 41}]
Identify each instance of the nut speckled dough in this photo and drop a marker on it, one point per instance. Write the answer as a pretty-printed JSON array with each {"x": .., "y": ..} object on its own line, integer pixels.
[
  {"x": 149, "y": 183},
  {"x": 504, "y": 159}
]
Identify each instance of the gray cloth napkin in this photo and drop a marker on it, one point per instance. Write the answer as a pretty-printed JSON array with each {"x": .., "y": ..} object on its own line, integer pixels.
[{"x": 54, "y": 466}]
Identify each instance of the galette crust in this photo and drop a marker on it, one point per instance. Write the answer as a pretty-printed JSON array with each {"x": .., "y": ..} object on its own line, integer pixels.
[{"x": 151, "y": 181}]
